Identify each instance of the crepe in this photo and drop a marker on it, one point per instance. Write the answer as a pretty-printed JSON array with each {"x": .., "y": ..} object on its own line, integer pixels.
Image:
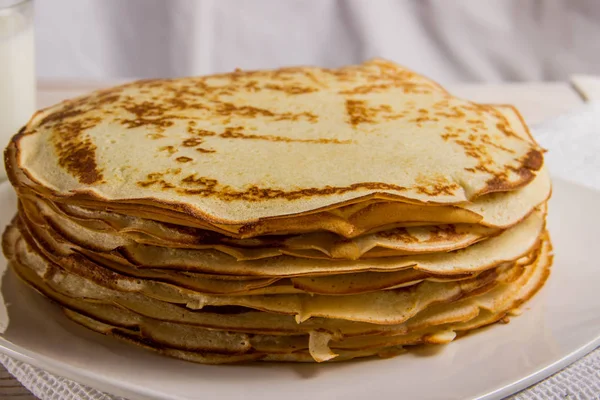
[
  {"x": 300, "y": 214},
  {"x": 510, "y": 245},
  {"x": 398, "y": 241},
  {"x": 192, "y": 144},
  {"x": 496, "y": 210},
  {"x": 67, "y": 255},
  {"x": 396, "y": 305}
]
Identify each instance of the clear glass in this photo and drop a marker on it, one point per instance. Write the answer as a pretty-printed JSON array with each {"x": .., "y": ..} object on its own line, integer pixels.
[{"x": 17, "y": 68}]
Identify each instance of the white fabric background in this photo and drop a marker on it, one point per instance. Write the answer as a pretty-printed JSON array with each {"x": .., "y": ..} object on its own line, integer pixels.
[{"x": 449, "y": 40}]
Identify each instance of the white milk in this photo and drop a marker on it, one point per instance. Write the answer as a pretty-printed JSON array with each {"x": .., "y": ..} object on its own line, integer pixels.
[{"x": 17, "y": 76}]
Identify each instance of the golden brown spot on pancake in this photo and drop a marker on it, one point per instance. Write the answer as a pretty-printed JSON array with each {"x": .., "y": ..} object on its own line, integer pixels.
[
  {"x": 198, "y": 132},
  {"x": 533, "y": 160},
  {"x": 229, "y": 109},
  {"x": 478, "y": 152},
  {"x": 498, "y": 183},
  {"x": 366, "y": 89},
  {"x": 147, "y": 113},
  {"x": 78, "y": 156},
  {"x": 291, "y": 89},
  {"x": 451, "y": 133},
  {"x": 423, "y": 118},
  {"x": 156, "y": 178},
  {"x": 236, "y": 133},
  {"x": 441, "y": 105},
  {"x": 69, "y": 111},
  {"x": 407, "y": 87},
  {"x": 442, "y": 232},
  {"x": 177, "y": 103},
  {"x": 489, "y": 141},
  {"x": 360, "y": 113},
  {"x": 400, "y": 234},
  {"x": 435, "y": 185},
  {"x": 200, "y": 181},
  {"x": 477, "y": 145},
  {"x": 252, "y": 86},
  {"x": 145, "y": 109},
  {"x": 184, "y": 159},
  {"x": 503, "y": 127},
  {"x": 155, "y": 136},
  {"x": 207, "y": 187},
  {"x": 169, "y": 149},
  {"x": 156, "y": 175},
  {"x": 151, "y": 179},
  {"x": 75, "y": 150},
  {"x": 197, "y": 141},
  {"x": 456, "y": 113},
  {"x": 192, "y": 142},
  {"x": 357, "y": 111},
  {"x": 202, "y": 150},
  {"x": 448, "y": 136}
]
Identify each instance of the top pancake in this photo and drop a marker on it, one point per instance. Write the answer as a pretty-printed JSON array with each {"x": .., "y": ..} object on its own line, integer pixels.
[{"x": 244, "y": 146}]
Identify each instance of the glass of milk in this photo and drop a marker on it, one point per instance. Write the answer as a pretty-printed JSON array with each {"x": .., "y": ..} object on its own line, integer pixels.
[{"x": 17, "y": 69}]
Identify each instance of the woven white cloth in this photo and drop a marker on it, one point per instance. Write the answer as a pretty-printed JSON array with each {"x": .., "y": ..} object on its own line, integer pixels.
[
  {"x": 580, "y": 380},
  {"x": 573, "y": 142},
  {"x": 50, "y": 387}
]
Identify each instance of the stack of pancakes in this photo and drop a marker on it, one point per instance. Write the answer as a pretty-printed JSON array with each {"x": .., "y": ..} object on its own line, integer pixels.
[{"x": 296, "y": 214}]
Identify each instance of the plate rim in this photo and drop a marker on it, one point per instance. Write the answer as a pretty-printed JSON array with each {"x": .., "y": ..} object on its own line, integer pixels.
[{"x": 108, "y": 386}]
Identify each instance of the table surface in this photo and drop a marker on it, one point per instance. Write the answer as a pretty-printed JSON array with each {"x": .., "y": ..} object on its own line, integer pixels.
[{"x": 536, "y": 101}]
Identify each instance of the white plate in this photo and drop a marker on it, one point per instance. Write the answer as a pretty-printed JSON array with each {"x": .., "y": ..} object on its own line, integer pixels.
[{"x": 559, "y": 325}]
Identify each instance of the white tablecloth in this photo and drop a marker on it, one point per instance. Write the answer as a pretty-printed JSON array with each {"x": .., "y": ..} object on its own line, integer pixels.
[{"x": 537, "y": 102}]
